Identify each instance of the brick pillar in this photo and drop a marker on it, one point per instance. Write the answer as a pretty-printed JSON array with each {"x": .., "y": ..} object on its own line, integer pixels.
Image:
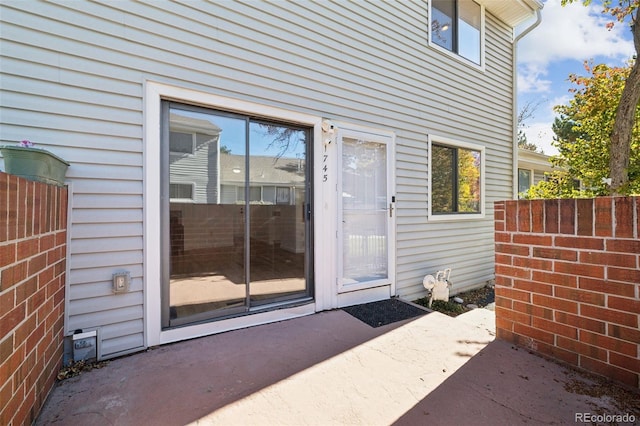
[
  {"x": 33, "y": 238},
  {"x": 568, "y": 281}
]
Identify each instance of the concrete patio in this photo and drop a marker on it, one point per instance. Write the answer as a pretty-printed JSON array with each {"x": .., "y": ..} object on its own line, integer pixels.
[{"x": 331, "y": 369}]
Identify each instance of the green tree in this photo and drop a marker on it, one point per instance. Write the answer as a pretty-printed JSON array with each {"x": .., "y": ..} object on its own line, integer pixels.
[
  {"x": 583, "y": 132},
  {"x": 621, "y": 135},
  {"x": 560, "y": 183},
  {"x": 565, "y": 129},
  {"x": 468, "y": 181}
]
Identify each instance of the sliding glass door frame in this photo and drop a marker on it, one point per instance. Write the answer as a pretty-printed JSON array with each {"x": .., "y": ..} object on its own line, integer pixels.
[{"x": 305, "y": 211}]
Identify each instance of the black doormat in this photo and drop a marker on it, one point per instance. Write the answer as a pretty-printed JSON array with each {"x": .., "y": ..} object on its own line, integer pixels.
[{"x": 383, "y": 312}]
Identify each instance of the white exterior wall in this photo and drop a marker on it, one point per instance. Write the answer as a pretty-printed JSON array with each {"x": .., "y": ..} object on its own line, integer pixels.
[
  {"x": 73, "y": 77},
  {"x": 538, "y": 163},
  {"x": 538, "y": 176}
]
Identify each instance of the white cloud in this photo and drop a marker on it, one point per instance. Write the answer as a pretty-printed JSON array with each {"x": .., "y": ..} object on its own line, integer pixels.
[
  {"x": 531, "y": 79},
  {"x": 559, "y": 100},
  {"x": 573, "y": 32},
  {"x": 541, "y": 134}
]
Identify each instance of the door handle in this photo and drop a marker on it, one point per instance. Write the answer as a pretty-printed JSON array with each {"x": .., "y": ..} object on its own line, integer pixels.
[{"x": 390, "y": 209}]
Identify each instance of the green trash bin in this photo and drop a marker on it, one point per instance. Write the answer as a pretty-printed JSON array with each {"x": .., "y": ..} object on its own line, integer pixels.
[{"x": 34, "y": 164}]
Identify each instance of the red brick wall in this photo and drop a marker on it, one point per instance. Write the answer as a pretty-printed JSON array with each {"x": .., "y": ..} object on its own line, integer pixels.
[
  {"x": 568, "y": 281},
  {"x": 33, "y": 235}
]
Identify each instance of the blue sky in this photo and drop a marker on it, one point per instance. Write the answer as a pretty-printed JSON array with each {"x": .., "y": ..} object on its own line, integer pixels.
[{"x": 566, "y": 38}]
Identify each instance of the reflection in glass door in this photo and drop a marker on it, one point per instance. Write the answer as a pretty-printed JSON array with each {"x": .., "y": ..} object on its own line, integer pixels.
[
  {"x": 277, "y": 210},
  {"x": 366, "y": 211},
  {"x": 236, "y": 214}
]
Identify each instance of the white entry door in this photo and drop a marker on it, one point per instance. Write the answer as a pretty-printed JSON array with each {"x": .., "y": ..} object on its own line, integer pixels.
[{"x": 366, "y": 211}]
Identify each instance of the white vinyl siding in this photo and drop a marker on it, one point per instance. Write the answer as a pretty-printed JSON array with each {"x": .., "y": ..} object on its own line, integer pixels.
[
  {"x": 538, "y": 176},
  {"x": 73, "y": 78}
]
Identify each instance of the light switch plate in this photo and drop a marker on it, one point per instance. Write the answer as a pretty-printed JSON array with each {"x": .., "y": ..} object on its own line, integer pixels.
[{"x": 121, "y": 282}]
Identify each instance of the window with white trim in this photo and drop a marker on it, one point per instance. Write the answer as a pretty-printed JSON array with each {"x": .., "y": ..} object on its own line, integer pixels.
[
  {"x": 456, "y": 26},
  {"x": 456, "y": 179},
  {"x": 525, "y": 180},
  {"x": 181, "y": 191}
]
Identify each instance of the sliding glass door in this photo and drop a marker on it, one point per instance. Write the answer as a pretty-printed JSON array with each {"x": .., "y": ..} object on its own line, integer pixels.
[{"x": 236, "y": 214}]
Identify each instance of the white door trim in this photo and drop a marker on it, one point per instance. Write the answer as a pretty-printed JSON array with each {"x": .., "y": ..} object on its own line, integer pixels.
[{"x": 155, "y": 93}]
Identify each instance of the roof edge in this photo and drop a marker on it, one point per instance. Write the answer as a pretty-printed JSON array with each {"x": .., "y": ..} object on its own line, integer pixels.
[{"x": 513, "y": 12}]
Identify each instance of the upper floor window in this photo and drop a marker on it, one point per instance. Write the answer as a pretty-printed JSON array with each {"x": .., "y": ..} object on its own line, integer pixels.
[{"x": 456, "y": 25}]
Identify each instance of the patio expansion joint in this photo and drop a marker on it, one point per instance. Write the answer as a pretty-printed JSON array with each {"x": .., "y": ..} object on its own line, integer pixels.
[{"x": 482, "y": 393}]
